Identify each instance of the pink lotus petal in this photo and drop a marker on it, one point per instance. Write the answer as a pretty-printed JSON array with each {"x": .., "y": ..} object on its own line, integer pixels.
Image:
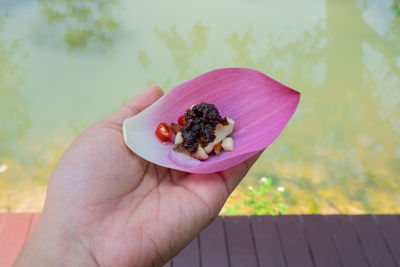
[{"x": 259, "y": 105}]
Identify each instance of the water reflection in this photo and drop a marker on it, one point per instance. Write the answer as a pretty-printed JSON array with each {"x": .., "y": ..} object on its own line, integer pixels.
[
  {"x": 396, "y": 8},
  {"x": 282, "y": 56},
  {"x": 84, "y": 22},
  {"x": 144, "y": 59},
  {"x": 14, "y": 112},
  {"x": 15, "y": 121},
  {"x": 352, "y": 158},
  {"x": 184, "y": 47},
  {"x": 340, "y": 153}
]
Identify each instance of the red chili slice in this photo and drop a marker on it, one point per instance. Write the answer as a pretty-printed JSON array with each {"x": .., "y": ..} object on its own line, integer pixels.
[
  {"x": 163, "y": 132},
  {"x": 181, "y": 120}
]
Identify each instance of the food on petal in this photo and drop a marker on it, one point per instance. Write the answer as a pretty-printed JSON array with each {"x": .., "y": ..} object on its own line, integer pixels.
[
  {"x": 178, "y": 138},
  {"x": 164, "y": 132},
  {"x": 176, "y": 128},
  {"x": 227, "y": 144},
  {"x": 208, "y": 148},
  {"x": 222, "y": 130},
  {"x": 201, "y": 131},
  {"x": 217, "y": 149},
  {"x": 200, "y": 153},
  {"x": 181, "y": 120},
  {"x": 260, "y": 106}
]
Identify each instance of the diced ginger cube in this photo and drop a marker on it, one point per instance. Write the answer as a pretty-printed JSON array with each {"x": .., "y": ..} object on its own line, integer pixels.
[{"x": 227, "y": 144}]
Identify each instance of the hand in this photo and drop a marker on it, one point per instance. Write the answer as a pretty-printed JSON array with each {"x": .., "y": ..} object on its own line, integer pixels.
[{"x": 107, "y": 206}]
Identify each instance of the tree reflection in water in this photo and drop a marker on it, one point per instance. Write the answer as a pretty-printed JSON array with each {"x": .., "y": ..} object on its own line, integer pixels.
[
  {"x": 15, "y": 121},
  {"x": 339, "y": 153},
  {"x": 85, "y": 22},
  {"x": 184, "y": 49},
  {"x": 14, "y": 114}
]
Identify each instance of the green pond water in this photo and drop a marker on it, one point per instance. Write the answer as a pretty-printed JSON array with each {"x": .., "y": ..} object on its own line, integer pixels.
[{"x": 65, "y": 64}]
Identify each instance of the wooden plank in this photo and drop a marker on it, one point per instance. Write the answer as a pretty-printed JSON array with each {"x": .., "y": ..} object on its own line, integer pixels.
[
  {"x": 212, "y": 245},
  {"x": 322, "y": 246},
  {"x": 268, "y": 244},
  {"x": 189, "y": 256},
  {"x": 34, "y": 221},
  {"x": 13, "y": 236},
  {"x": 372, "y": 241},
  {"x": 347, "y": 244},
  {"x": 240, "y": 242},
  {"x": 390, "y": 227},
  {"x": 294, "y": 242}
]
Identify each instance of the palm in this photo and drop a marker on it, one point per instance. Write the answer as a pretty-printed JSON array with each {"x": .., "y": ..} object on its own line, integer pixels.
[{"x": 111, "y": 197}]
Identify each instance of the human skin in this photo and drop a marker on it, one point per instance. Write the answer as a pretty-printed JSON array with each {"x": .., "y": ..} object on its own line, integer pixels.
[{"x": 106, "y": 206}]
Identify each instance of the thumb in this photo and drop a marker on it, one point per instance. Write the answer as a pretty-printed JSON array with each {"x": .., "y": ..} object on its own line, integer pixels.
[{"x": 136, "y": 104}]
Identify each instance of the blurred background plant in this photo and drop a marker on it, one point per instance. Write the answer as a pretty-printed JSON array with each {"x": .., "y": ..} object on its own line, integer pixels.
[
  {"x": 396, "y": 7},
  {"x": 262, "y": 198}
]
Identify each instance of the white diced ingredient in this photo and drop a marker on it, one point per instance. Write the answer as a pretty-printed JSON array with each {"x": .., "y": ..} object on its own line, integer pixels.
[
  {"x": 227, "y": 144},
  {"x": 222, "y": 131},
  {"x": 208, "y": 148},
  {"x": 200, "y": 153},
  {"x": 178, "y": 138}
]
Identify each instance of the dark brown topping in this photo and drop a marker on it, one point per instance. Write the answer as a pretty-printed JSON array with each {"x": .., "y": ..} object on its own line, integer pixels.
[
  {"x": 200, "y": 120},
  {"x": 224, "y": 121}
]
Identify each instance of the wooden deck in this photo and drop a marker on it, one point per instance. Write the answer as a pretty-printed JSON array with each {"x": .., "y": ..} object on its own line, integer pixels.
[{"x": 276, "y": 241}]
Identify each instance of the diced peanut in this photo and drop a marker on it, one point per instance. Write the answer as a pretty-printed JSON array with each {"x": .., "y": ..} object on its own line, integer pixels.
[
  {"x": 227, "y": 143},
  {"x": 178, "y": 138},
  {"x": 222, "y": 131},
  {"x": 200, "y": 153},
  {"x": 208, "y": 148},
  {"x": 217, "y": 149}
]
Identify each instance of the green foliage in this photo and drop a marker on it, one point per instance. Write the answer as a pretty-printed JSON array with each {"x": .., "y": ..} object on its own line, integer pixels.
[
  {"x": 261, "y": 199},
  {"x": 264, "y": 200},
  {"x": 233, "y": 210}
]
